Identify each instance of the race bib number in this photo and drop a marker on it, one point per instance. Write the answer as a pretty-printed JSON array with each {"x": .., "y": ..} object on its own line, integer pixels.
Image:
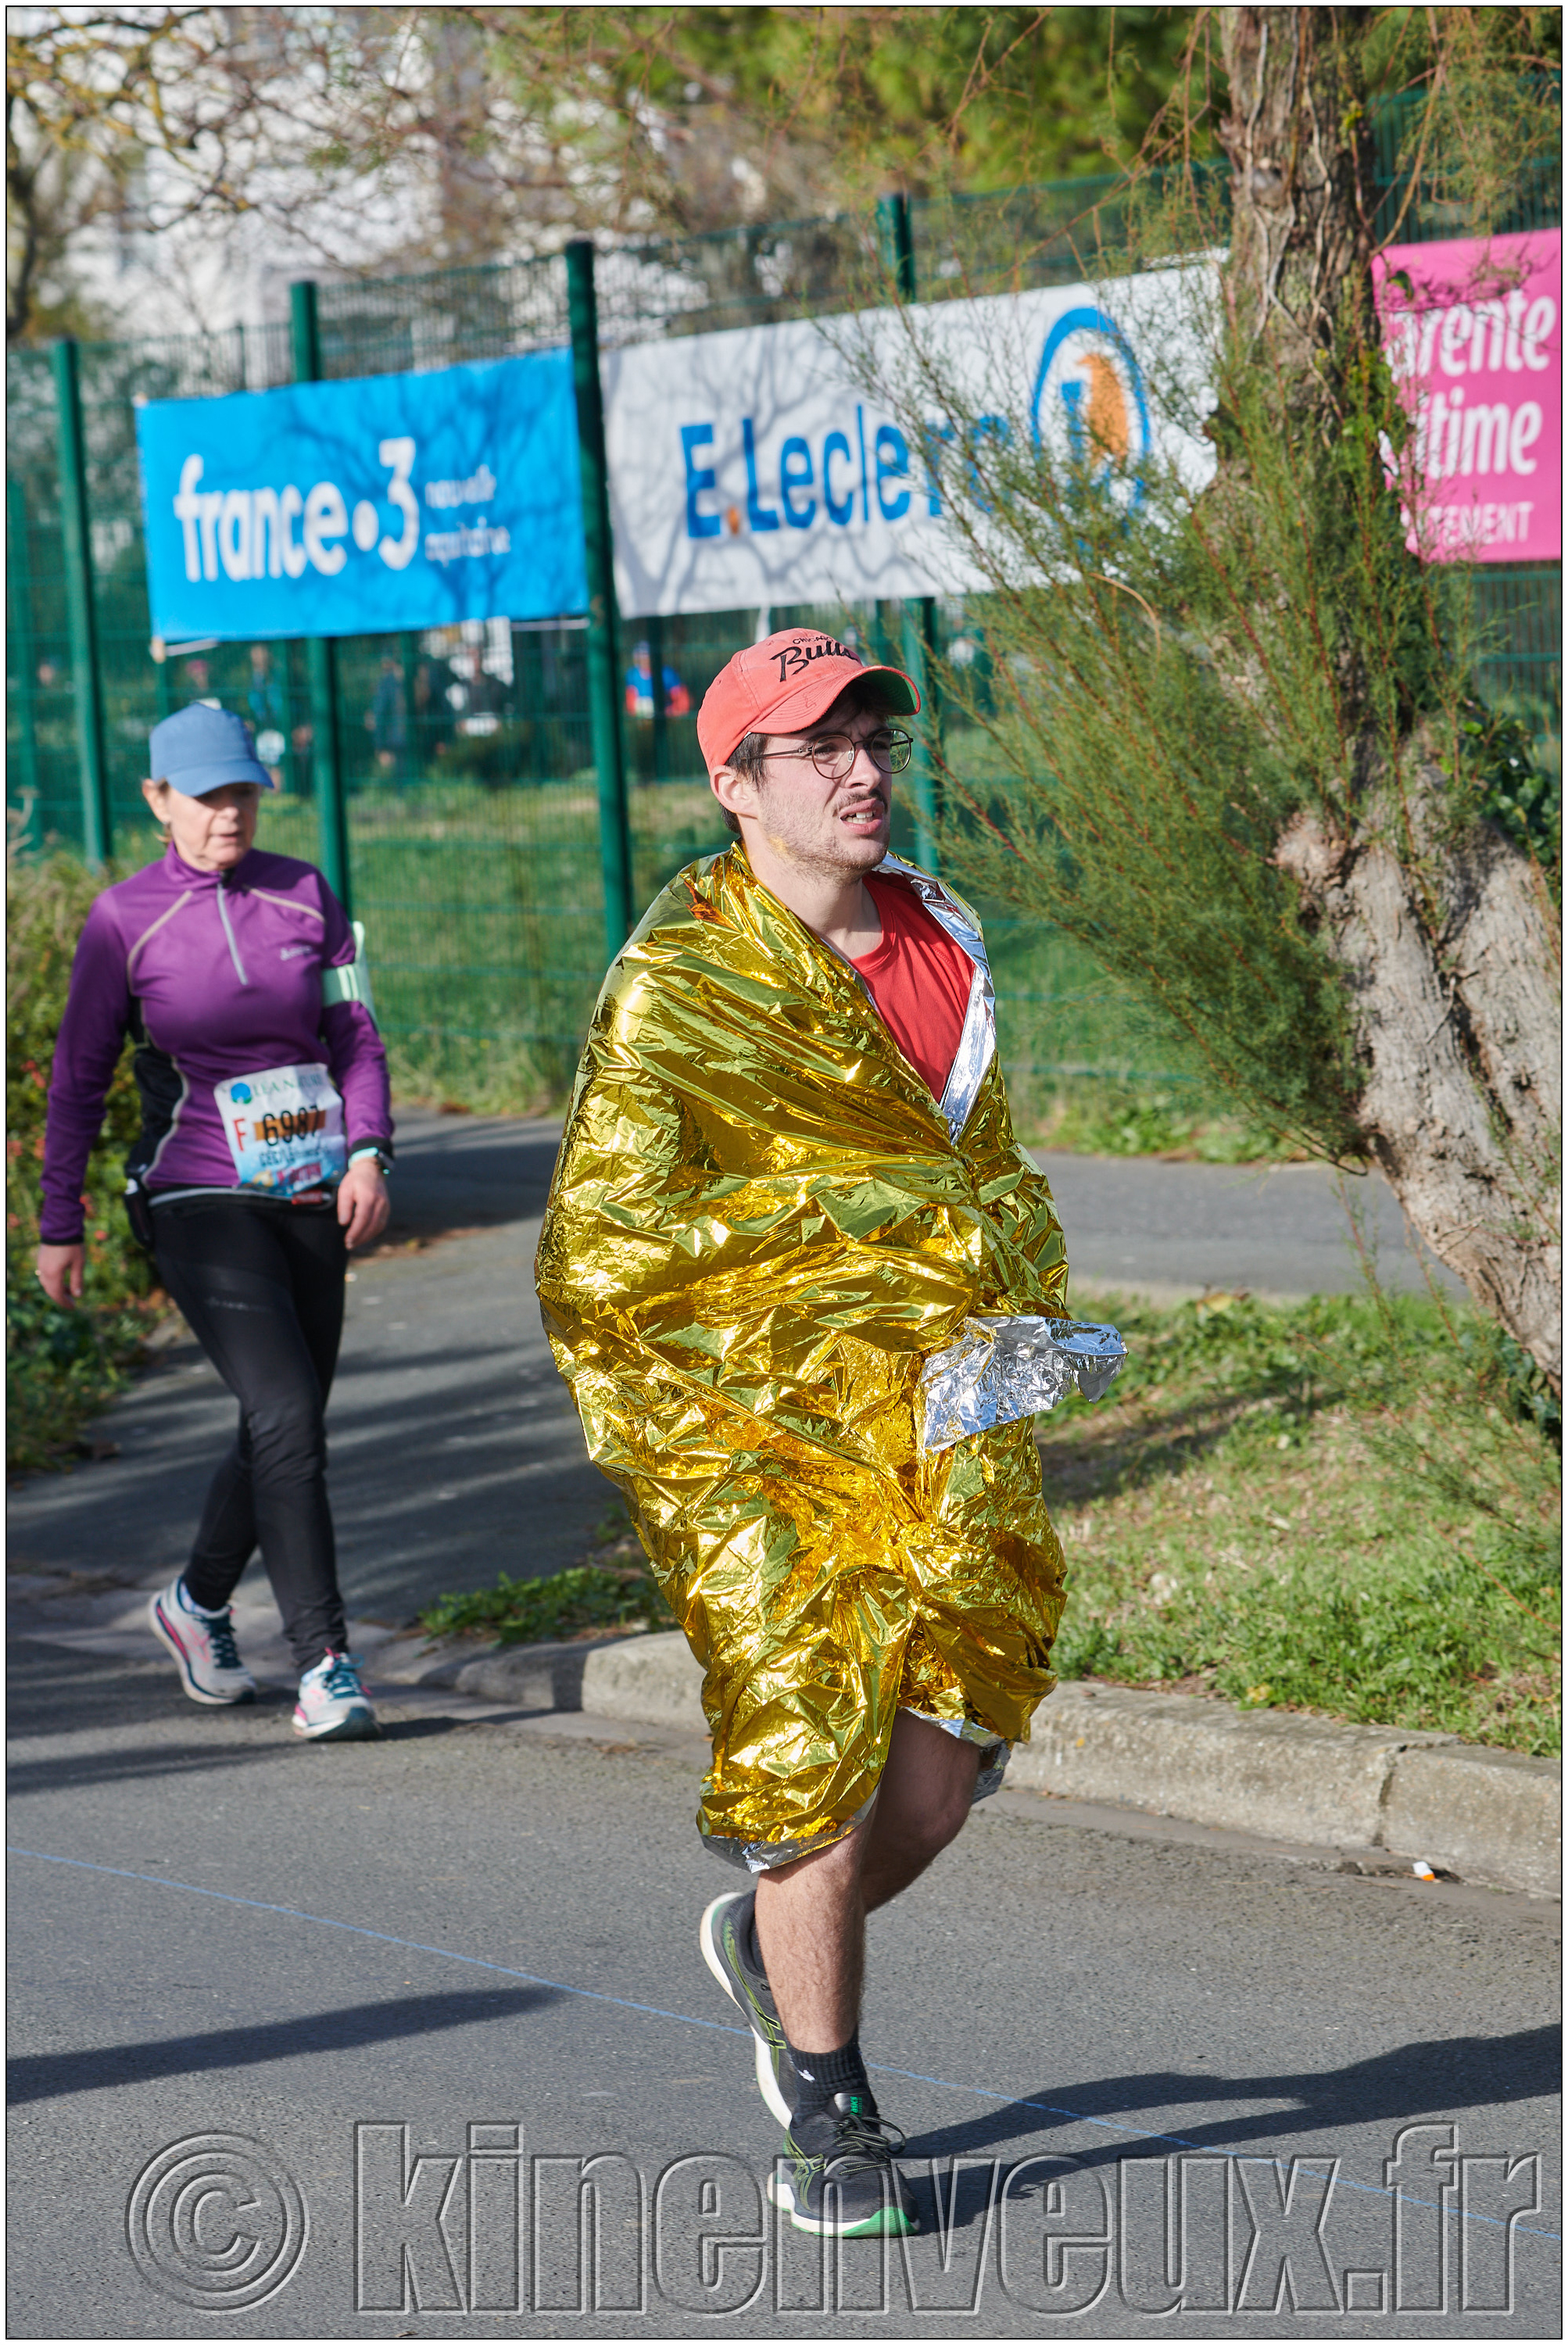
[{"x": 284, "y": 1129}]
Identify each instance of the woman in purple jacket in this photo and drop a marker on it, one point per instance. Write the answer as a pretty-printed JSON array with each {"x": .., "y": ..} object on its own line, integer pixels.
[{"x": 265, "y": 1143}]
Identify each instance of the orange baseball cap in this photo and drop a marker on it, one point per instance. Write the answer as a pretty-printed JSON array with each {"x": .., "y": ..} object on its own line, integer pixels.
[{"x": 786, "y": 681}]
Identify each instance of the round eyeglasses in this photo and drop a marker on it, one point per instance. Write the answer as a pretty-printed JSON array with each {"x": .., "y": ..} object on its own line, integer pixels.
[{"x": 834, "y": 753}]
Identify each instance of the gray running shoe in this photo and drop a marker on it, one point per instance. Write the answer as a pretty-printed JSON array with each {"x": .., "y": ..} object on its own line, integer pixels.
[
  {"x": 837, "y": 2175},
  {"x": 725, "y": 1938}
]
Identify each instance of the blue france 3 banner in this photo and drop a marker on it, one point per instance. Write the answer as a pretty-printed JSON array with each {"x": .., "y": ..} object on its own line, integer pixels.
[{"x": 365, "y": 507}]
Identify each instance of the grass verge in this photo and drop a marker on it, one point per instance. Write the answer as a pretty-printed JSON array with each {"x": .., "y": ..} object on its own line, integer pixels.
[
  {"x": 612, "y": 1587},
  {"x": 1102, "y": 1116},
  {"x": 1349, "y": 1505}
]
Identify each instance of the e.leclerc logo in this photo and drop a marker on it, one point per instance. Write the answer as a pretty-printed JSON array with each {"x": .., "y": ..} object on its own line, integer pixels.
[{"x": 1089, "y": 395}]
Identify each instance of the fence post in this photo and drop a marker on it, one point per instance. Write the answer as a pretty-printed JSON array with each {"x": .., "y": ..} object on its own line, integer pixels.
[
  {"x": 19, "y": 589},
  {"x": 661, "y": 709},
  {"x": 604, "y": 694},
  {"x": 895, "y": 239},
  {"x": 895, "y": 235},
  {"x": 86, "y": 684},
  {"x": 321, "y": 652},
  {"x": 920, "y": 662}
]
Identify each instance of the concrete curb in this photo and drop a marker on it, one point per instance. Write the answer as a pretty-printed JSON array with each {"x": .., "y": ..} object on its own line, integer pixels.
[
  {"x": 1492, "y": 1815},
  {"x": 550, "y": 1676},
  {"x": 1489, "y": 1816},
  {"x": 1271, "y": 1772}
]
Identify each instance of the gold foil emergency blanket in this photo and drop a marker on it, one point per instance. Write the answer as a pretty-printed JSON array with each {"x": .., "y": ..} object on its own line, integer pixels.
[{"x": 760, "y": 1228}]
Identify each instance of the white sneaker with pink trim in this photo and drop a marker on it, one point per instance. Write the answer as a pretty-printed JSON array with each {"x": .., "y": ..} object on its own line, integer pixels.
[
  {"x": 202, "y": 1647},
  {"x": 333, "y": 1706}
]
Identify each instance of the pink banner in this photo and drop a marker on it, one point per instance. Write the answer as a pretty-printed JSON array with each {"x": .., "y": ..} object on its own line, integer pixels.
[{"x": 1474, "y": 332}]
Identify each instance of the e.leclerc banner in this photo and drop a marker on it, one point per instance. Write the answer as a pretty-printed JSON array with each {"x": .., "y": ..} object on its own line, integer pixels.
[
  {"x": 366, "y": 507},
  {"x": 746, "y": 468}
]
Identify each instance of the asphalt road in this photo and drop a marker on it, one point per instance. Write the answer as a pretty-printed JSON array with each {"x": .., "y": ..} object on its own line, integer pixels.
[
  {"x": 314, "y": 2041},
  {"x": 455, "y": 1452},
  {"x": 1174, "y": 1229}
]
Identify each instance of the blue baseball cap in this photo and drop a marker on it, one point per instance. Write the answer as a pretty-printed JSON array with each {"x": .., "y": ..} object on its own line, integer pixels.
[{"x": 201, "y": 748}]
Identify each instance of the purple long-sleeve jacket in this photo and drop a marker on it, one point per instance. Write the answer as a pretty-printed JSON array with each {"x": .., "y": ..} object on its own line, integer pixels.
[{"x": 214, "y": 975}]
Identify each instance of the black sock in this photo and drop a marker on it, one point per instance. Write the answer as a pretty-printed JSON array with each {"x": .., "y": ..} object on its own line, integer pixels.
[{"x": 823, "y": 2076}]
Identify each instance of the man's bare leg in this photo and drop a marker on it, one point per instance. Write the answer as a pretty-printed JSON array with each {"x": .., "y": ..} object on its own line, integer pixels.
[
  {"x": 922, "y": 1804},
  {"x": 811, "y": 1916},
  {"x": 812, "y": 1930}
]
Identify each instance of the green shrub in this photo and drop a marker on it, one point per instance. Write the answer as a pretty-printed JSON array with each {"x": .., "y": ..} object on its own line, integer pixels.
[
  {"x": 476, "y": 1074},
  {"x": 61, "y": 1365}
]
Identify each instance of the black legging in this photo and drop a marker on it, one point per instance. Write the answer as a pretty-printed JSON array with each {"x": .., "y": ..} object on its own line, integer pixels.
[{"x": 261, "y": 1286}]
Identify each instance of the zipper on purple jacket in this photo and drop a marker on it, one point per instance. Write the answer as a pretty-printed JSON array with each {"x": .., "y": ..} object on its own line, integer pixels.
[{"x": 228, "y": 932}]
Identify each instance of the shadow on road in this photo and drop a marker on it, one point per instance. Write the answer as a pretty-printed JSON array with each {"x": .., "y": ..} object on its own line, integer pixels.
[
  {"x": 114, "y": 2067},
  {"x": 170, "y": 1761},
  {"x": 58, "y": 1689},
  {"x": 48, "y": 1684},
  {"x": 1416, "y": 2080}
]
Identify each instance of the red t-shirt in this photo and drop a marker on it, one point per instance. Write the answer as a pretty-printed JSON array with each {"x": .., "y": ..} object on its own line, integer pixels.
[{"x": 919, "y": 980}]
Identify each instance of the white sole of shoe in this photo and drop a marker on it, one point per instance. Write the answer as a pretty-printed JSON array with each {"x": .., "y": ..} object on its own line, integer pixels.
[
  {"x": 888, "y": 2221},
  {"x": 178, "y": 1655},
  {"x": 360, "y": 1726},
  {"x": 706, "y": 1938}
]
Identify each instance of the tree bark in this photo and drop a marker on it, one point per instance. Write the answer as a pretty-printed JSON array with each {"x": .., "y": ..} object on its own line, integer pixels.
[
  {"x": 1456, "y": 1035},
  {"x": 1443, "y": 930},
  {"x": 1299, "y": 142}
]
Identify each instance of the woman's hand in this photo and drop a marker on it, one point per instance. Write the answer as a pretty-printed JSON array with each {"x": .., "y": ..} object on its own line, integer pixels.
[
  {"x": 363, "y": 1206},
  {"x": 60, "y": 1273}
]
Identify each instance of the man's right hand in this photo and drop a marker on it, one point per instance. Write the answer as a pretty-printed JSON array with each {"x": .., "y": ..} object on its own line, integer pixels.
[{"x": 60, "y": 1271}]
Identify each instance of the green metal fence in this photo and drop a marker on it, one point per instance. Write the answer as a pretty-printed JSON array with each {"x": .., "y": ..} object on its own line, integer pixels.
[{"x": 466, "y": 756}]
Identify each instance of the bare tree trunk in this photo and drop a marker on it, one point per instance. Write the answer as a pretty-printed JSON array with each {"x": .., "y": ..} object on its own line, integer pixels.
[
  {"x": 1298, "y": 143},
  {"x": 1457, "y": 1037},
  {"x": 1446, "y": 936}
]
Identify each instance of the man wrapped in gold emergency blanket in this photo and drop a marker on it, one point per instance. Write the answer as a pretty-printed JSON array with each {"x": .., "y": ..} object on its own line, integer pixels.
[{"x": 761, "y": 1226}]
